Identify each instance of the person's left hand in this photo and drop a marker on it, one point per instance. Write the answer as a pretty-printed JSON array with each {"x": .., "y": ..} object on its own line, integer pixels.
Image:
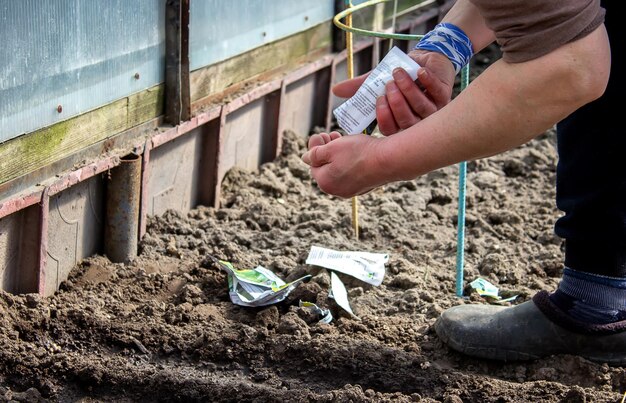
[{"x": 345, "y": 166}]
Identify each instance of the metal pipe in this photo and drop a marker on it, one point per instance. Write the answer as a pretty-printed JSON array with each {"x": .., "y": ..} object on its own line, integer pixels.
[{"x": 122, "y": 210}]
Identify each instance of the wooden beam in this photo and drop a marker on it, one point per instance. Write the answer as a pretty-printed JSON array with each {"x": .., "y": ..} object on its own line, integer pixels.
[
  {"x": 35, "y": 150},
  {"x": 260, "y": 63},
  {"x": 177, "y": 101}
]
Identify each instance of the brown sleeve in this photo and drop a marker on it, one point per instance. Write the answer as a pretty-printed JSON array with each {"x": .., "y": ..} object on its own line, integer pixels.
[{"x": 527, "y": 29}]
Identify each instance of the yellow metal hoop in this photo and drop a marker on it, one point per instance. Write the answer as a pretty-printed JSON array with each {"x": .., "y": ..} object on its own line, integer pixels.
[{"x": 348, "y": 12}]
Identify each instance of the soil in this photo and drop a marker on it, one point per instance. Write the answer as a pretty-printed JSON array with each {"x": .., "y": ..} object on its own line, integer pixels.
[{"x": 162, "y": 328}]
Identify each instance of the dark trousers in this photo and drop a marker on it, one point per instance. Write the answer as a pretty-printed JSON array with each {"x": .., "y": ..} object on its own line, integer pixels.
[{"x": 591, "y": 172}]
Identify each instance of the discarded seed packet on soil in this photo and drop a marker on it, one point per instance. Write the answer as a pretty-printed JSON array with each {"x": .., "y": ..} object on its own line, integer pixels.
[
  {"x": 485, "y": 289},
  {"x": 325, "y": 314},
  {"x": 256, "y": 287},
  {"x": 366, "y": 266}
]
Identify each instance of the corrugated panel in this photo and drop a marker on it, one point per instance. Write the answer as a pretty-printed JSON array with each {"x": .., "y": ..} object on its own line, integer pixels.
[
  {"x": 80, "y": 54},
  {"x": 222, "y": 29}
]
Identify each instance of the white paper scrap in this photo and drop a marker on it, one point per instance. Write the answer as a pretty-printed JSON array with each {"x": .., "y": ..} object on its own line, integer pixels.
[
  {"x": 339, "y": 293},
  {"x": 366, "y": 266}
]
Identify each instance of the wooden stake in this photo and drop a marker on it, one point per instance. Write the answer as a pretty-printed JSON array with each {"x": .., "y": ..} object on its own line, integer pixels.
[{"x": 350, "y": 63}]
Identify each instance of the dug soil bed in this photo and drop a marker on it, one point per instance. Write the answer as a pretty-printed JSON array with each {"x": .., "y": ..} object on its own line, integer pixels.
[{"x": 163, "y": 327}]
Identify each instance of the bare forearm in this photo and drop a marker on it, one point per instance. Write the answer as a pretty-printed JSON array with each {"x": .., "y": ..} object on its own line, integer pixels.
[
  {"x": 465, "y": 15},
  {"x": 507, "y": 105}
]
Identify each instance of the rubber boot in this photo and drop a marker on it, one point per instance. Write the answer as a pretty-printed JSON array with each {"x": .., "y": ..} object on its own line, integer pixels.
[{"x": 531, "y": 330}]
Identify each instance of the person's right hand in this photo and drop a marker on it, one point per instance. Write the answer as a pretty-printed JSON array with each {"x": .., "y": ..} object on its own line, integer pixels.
[{"x": 406, "y": 102}]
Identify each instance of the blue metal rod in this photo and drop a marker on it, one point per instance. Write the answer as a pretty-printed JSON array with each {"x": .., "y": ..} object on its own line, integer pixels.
[{"x": 460, "y": 240}]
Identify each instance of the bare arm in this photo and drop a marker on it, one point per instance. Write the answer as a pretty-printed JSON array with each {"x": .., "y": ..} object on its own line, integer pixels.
[
  {"x": 465, "y": 15},
  {"x": 507, "y": 105}
]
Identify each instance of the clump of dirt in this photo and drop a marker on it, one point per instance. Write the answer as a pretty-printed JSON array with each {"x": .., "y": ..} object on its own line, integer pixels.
[{"x": 163, "y": 327}]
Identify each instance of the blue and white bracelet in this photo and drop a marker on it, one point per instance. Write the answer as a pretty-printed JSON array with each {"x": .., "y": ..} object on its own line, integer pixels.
[{"x": 451, "y": 41}]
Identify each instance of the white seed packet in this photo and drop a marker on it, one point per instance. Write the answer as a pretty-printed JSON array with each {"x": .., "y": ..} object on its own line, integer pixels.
[
  {"x": 366, "y": 266},
  {"x": 359, "y": 111}
]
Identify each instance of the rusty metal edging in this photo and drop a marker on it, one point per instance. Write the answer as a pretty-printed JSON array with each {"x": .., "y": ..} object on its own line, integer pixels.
[
  {"x": 19, "y": 202},
  {"x": 65, "y": 181}
]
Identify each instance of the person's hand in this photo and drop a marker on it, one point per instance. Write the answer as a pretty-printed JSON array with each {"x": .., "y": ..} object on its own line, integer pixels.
[
  {"x": 407, "y": 102},
  {"x": 344, "y": 166}
]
